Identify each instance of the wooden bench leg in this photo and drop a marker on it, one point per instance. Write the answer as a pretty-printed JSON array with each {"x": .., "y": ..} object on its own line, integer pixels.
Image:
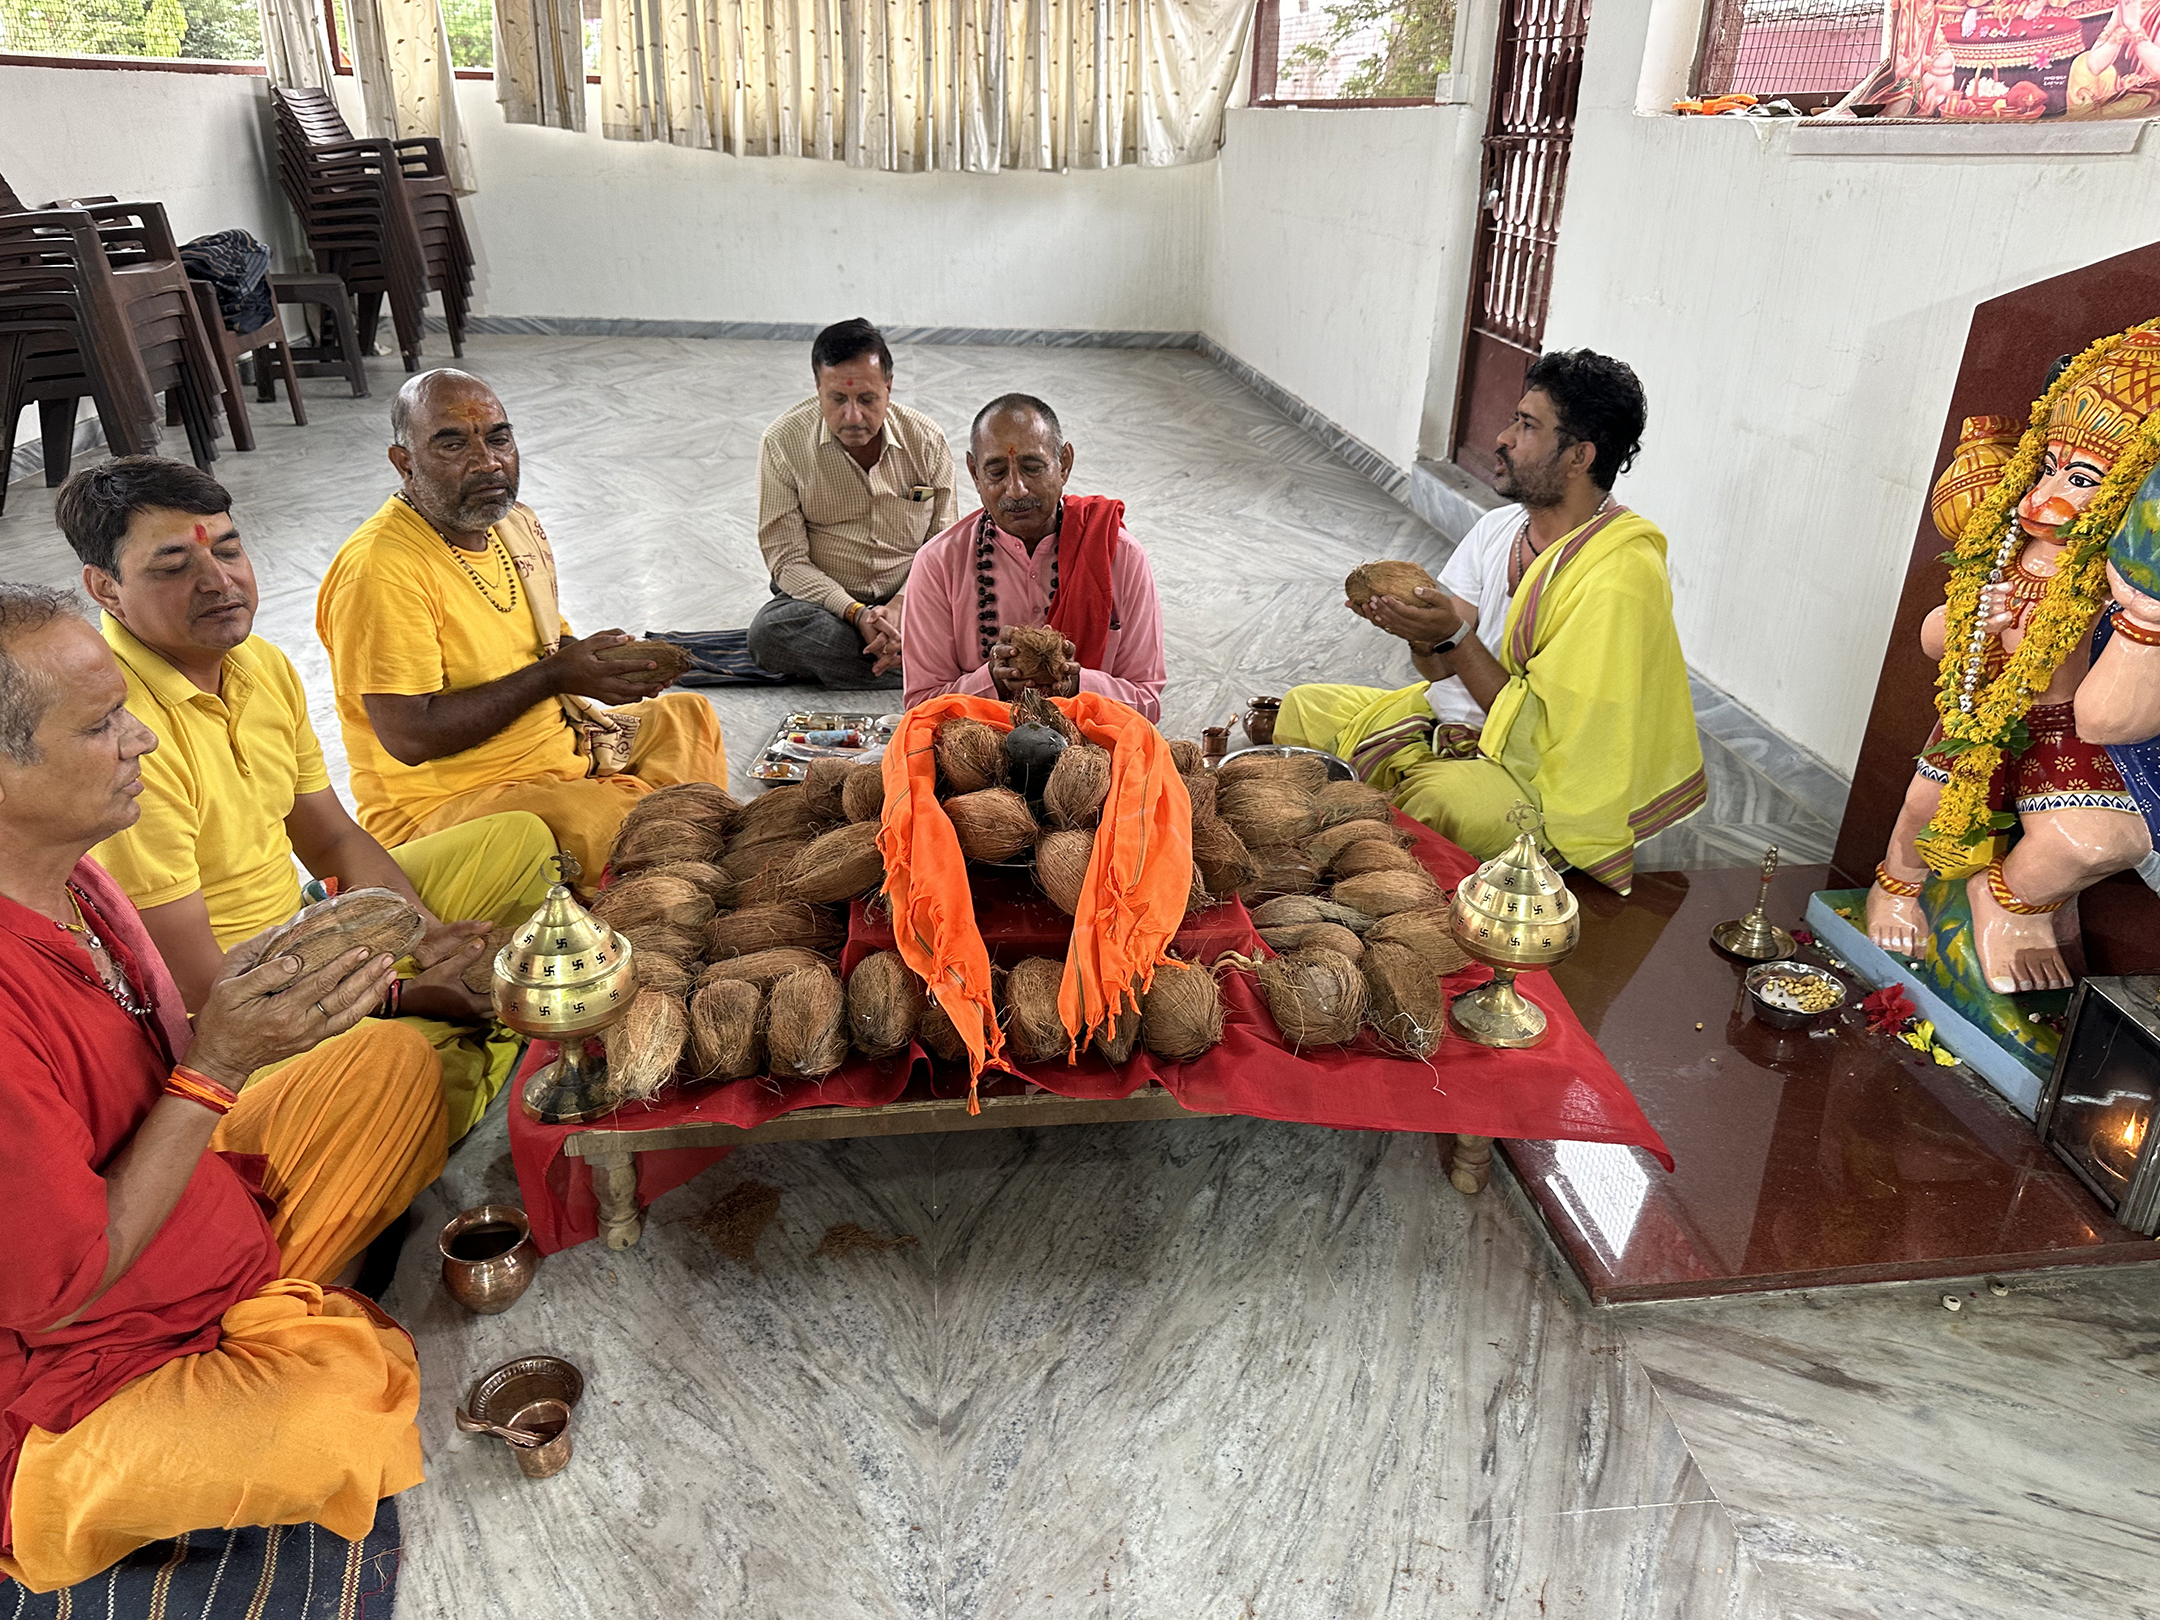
[
  {"x": 614, "y": 1174},
  {"x": 1470, "y": 1165}
]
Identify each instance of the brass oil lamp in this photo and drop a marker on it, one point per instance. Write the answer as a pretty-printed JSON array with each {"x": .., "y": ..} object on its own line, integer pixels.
[
  {"x": 1512, "y": 913},
  {"x": 565, "y": 976}
]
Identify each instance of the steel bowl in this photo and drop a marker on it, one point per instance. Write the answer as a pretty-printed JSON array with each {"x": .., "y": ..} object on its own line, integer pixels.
[
  {"x": 1778, "y": 1017},
  {"x": 1338, "y": 770}
]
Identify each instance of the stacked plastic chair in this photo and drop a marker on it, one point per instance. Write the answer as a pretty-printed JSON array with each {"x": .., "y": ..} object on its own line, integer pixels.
[
  {"x": 379, "y": 215},
  {"x": 95, "y": 304}
]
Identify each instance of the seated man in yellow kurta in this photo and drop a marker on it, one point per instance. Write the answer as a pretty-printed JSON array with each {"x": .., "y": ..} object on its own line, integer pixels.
[
  {"x": 237, "y": 786},
  {"x": 173, "y": 1356},
  {"x": 459, "y": 687},
  {"x": 1551, "y": 671}
]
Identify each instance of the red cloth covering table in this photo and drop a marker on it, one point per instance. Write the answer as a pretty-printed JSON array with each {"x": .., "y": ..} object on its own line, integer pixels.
[{"x": 1559, "y": 1090}]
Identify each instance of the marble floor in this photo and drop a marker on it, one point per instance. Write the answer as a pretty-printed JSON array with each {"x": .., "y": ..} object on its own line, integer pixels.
[{"x": 1199, "y": 1368}]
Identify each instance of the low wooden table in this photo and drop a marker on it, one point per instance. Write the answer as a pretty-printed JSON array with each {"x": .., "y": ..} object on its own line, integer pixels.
[{"x": 611, "y": 1152}]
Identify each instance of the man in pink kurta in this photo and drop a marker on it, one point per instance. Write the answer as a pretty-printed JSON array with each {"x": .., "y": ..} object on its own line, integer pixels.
[{"x": 1032, "y": 555}]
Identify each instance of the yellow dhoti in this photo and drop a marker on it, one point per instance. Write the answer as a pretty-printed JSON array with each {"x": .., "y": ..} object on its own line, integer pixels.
[
  {"x": 678, "y": 740},
  {"x": 304, "y": 1411}
]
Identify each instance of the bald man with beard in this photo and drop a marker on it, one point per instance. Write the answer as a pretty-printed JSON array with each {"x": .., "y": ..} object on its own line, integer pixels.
[{"x": 460, "y": 688}]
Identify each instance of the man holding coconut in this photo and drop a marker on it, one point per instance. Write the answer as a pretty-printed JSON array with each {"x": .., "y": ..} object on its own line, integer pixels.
[
  {"x": 1550, "y": 667},
  {"x": 1033, "y": 556}
]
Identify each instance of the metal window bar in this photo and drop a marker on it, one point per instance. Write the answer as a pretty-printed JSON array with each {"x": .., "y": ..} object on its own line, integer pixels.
[{"x": 1799, "y": 49}]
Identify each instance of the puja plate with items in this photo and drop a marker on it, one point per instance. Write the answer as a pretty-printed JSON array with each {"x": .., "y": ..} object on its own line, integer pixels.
[
  {"x": 1794, "y": 995},
  {"x": 802, "y": 739}
]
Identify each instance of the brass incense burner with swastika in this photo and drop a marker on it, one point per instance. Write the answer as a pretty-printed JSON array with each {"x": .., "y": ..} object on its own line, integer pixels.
[
  {"x": 565, "y": 976},
  {"x": 1512, "y": 913}
]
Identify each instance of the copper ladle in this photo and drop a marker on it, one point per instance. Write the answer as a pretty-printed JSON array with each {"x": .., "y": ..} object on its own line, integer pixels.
[{"x": 517, "y": 1437}]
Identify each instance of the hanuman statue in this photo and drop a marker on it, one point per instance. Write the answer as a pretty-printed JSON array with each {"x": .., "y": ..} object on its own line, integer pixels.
[{"x": 2029, "y": 579}]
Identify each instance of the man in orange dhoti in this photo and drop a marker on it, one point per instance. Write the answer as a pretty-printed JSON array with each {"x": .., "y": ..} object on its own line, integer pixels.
[
  {"x": 460, "y": 689},
  {"x": 175, "y": 1352}
]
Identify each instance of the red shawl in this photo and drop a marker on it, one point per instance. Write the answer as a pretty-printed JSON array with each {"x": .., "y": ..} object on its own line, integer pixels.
[{"x": 1082, "y": 608}]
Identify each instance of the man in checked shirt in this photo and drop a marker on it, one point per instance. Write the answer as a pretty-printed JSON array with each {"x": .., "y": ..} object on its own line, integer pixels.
[{"x": 850, "y": 485}]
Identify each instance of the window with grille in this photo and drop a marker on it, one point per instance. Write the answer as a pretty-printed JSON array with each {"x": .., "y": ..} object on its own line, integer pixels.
[
  {"x": 1809, "y": 52},
  {"x": 1364, "y": 53},
  {"x": 172, "y": 30}
]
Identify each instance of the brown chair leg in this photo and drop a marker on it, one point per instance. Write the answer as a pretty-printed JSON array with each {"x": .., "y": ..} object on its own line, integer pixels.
[
  {"x": 56, "y": 424},
  {"x": 370, "y": 318},
  {"x": 292, "y": 378}
]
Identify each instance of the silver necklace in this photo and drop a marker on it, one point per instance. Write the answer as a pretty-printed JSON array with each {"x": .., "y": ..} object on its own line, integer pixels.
[{"x": 109, "y": 977}]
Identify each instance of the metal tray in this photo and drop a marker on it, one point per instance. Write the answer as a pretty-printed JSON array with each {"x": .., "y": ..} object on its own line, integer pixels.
[{"x": 783, "y": 761}]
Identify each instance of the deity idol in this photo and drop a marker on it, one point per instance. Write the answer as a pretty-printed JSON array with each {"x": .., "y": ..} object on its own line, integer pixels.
[
  {"x": 2118, "y": 702},
  {"x": 2029, "y": 577}
]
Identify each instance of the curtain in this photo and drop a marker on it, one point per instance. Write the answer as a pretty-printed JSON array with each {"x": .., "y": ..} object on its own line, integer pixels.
[
  {"x": 401, "y": 56},
  {"x": 294, "y": 47},
  {"x": 540, "y": 62},
  {"x": 925, "y": 84}
]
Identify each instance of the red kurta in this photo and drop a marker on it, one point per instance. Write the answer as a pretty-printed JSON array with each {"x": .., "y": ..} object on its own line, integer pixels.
[{"x": 77, "y": 1076}]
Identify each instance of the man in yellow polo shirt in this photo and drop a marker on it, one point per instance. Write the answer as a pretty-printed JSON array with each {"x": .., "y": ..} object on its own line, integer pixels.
[
  {"x": 236, "y": 786},
  {"x": 459, "y": 686}
]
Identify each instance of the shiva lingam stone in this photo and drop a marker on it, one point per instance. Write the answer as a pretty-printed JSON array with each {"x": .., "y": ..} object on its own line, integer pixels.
[
  {"x": 565, "y": 977},
  {"x": 1512, "y": 913},
  {"x": 1755, "y": 938}
]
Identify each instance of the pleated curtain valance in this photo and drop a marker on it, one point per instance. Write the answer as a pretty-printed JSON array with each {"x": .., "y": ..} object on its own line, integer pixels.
[{"x": 925, "y": 84}]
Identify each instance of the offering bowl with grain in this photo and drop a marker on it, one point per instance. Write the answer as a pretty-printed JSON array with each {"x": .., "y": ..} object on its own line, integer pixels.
[{"x": 1794, "y": 995}]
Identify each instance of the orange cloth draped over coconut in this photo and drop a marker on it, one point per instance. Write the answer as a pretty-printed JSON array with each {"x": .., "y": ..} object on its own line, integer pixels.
[{"x": 1131, "y": 905}]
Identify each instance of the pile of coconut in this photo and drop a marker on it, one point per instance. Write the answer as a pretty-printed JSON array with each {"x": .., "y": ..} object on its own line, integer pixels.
[{"x": 1361, "y": 927}]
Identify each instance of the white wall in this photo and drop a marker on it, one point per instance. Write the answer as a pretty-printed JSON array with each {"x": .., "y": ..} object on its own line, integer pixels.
[
  {"x": 1336, "y": 232},
  {"x": 574, "y": 225},
  {"x": 1797, "y": 322}
]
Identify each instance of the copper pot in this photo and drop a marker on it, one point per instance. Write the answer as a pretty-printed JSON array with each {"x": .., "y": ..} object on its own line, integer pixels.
[
  {"x": 533, "y": 1397},
  {"x": 1259, "y": 720},
  {"x": 488, "y": 1258}
]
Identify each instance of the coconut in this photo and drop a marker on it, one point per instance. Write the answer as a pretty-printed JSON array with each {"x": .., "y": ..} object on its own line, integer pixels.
[
  {"x": 1282, "y": 869},
  {"x": 702, "y": 875},
  {"x": 785, "y": 811},
  {"x": 671, "y": 662},
  {"x": 746, "y": 858},
  {"x": 654, "y": 900},
  {"x": 762, "y": 968},
  {"x": 1185, "y": 757},
  {"x": 645, "y": 1044},
  {"x": 1382, "y": 894},
  {"x": 806, "y": 1023},
  {"x": 1374, "y": 855},
  {"x": 838, "y": 865},
  {"x": 1307, "y": 773},
  {"x": 992, "y": 824},
  {"x": 1061, "y": 866},
  {"x": 689, "y": 801},
  {"x": 1197, "y": 897},
  {"x": 1116, "y": 1039},
  {"x": 1407, "y": 1009},
  {"x": 970, "y": 756},
  {"x": 935, "y": 1030},
  {"x": 683, "y": 946},
  {"x": 383, "y": 922},
  {"x": 1400, "y": 580},
  {"x": 1324, "y": 935},
  {"x": 1031, "y": 708},
  {"x": 822, "y": 784},
  {"x": 1038, "y": 656},
  {"x": 862, "y": 795},
  {"x": 480, "y": 974},
  {"x": 658, "y": 840},
  {"x": 1262, "y": 810},
  {"x": 779, "y": 923},
  {"x": 1326, "y": 845},
  {"x": 1200, "y": 789},
  {"x": 1226, "y": 865},
  {"x": 1427, "y": 933},
  {"x": 1316, "y": 995},
  {"x": 727, "y": 1030},
  {"x": 1034, "y": 1032},
  {"x": 1181, "y": 1014},
  {"x": 1078, "y": 786},
  {"x": 1351, "y": 801},
  {"x": 1306, "y": 908},
  {"x": 657, "y": 970},
  {"x": 884, "y": 1002}
]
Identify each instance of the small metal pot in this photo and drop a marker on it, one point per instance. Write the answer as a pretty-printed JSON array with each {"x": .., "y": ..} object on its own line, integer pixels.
[
  {"x": 1259, "y": 720},
  {"x": 552, "y": 1419},
  {"x": 1778, "y": 1017},
  {"x": 488, "y": 1258},
  {"x": 535, "y": 1394}
]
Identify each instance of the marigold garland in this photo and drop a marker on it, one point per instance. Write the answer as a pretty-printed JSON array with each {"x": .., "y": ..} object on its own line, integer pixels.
[{"x": 1974, "y": 742}]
